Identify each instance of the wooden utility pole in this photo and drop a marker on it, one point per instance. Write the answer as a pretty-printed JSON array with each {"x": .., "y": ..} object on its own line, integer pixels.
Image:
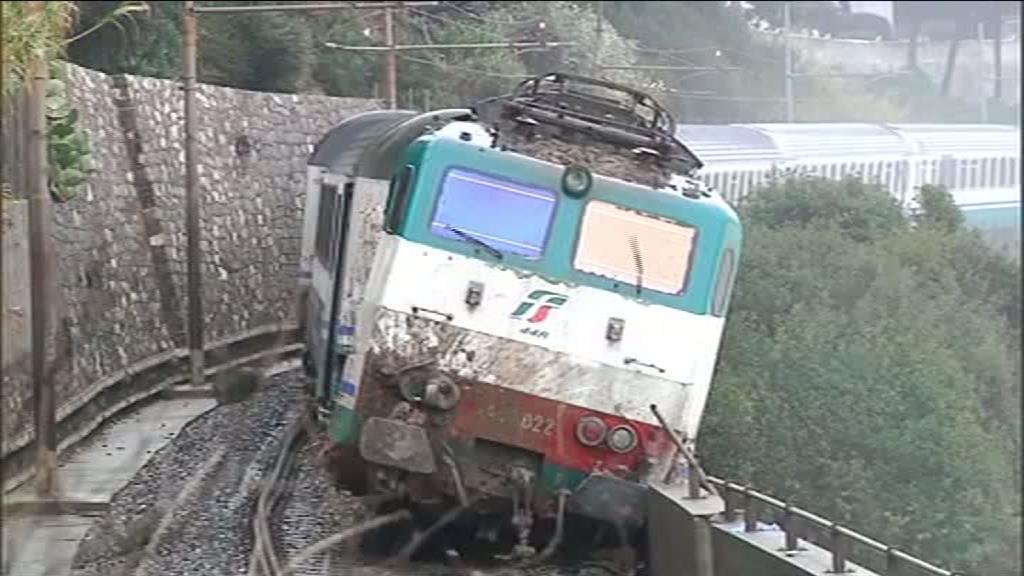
[
  {"x": 194, "y": 254},
  {"x": 192, "y": 219},
  {"x": 40, "y": 267},
  {"x": 599, "y": 35},
  {"x": 391, "y": 61}
]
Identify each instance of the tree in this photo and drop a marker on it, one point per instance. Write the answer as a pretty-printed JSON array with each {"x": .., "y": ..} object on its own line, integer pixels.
[
  {"x": 870, "y": 371},
  {"x": 47, "y": 34},
  {"x": 24, "y": 34},
  {"x": 148, "y": 44}
]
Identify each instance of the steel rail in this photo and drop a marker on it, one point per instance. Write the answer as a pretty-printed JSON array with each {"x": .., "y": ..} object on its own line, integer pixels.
[{"x": 264, "y": 553}]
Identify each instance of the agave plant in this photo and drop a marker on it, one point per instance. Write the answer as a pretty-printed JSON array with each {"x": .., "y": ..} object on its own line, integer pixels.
[
  {"x": 44, "y": 34},
  {"x": 70, "y": 158}
]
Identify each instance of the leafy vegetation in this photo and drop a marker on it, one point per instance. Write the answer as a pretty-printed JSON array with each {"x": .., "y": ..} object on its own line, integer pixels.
[
  {"x": 870, "y": 371},
  {"x": 25, "y": 34},
  {"x": 69, "y": 153},
  {"x": 722, "y": 71},
  {"x": 870, "y": 366},
  {"x": 44, "y": 34}
]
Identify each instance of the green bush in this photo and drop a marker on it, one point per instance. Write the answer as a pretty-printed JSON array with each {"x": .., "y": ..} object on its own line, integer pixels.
[
  {"x": 870, "y": 371},
  {"x": 69, "y": 151}
]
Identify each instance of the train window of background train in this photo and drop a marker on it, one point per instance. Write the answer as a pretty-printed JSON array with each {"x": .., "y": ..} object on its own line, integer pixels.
[
  {"x": 325, "y": 223},
  {"x": 723, "y": 284},
  {"x": 627, "y": 246},
  {"x": 511, "y": 217}
]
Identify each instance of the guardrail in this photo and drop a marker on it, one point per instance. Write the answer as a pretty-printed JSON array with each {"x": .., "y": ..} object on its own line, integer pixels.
[
  {"x": 837, "y": 539},
  {"x": 80, "y": 416}
]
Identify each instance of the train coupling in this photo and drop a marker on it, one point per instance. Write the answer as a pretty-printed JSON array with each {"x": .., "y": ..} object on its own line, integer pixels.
[{"x": 522, "y": 513}]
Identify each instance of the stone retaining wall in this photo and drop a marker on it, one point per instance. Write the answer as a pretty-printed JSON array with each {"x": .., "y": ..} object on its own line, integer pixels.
[{"x": 120, "y": 243}]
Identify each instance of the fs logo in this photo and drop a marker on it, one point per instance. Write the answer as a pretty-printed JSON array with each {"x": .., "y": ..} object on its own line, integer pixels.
[{"x": 538, "y": 306}]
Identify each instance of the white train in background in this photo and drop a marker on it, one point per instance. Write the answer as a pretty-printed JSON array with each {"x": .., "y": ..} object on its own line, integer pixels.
[{"x": 978, "y": 163}]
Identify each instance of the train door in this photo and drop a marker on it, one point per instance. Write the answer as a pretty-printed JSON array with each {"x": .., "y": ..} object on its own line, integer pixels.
[{"x": 328, "y": 246}]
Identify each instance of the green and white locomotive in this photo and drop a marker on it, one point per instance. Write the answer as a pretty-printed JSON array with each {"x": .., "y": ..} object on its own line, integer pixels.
[{"x": 496, "y": 297}]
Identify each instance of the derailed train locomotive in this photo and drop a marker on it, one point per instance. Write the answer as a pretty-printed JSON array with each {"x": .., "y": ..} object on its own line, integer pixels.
[{"x": 496, "y": 297}]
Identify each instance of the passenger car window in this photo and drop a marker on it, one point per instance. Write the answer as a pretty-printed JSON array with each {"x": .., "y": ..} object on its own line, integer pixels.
[
  {"x": 326, "y": 218},
  {"x": 508, "y": 216},
  {"x": 631, "y": 247}
]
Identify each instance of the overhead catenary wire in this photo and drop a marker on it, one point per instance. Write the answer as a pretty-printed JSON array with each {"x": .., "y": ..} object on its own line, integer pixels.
[
  {"x": 470, "y": 14},
  {"x": 464, "y": 70}
]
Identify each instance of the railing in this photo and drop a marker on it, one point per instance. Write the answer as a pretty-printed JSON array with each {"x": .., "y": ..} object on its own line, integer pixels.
[
  {"x": 82, "y": 415},
  {"x": 838, "y": 537}
]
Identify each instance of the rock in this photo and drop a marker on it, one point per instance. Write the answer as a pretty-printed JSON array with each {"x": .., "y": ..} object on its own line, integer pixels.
[{"x": 237, "y": 385}]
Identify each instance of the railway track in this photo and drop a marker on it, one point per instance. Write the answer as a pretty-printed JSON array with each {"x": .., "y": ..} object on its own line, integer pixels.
[{"x": 265, "y": 560}]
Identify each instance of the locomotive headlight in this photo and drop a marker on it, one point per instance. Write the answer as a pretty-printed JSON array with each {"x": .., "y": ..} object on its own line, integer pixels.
[
  {"x": 590, "y": 430},
  {"x": 576, "y": 180},
  {"x": 441, "y": 393},
  {"x": 622, "y": 439}
]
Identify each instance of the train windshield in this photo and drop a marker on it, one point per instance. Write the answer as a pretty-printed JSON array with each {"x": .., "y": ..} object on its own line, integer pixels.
[
  {"x": 627, "y": 246},
  {"x": 495, "y": 213}
]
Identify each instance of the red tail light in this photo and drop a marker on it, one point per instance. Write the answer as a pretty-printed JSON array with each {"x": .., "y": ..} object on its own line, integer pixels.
[{"x": 591, "y": 430}]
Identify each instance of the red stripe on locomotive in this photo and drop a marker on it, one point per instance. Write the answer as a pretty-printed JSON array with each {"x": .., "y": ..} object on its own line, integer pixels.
[{"x": 549, "y": 427}]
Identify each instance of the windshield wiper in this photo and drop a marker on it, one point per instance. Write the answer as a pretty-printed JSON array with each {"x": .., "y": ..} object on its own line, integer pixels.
[
  {"x": 634, "y": 246},
  {"x": 474, "y": 240}
]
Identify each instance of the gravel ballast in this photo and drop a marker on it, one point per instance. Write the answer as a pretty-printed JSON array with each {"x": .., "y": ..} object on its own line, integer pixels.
[{"x": 188, "y": 510}]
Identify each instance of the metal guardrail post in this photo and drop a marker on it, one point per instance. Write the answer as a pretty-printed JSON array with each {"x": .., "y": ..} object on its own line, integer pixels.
[
  {"x": 749, "y": 512},
  {"x": 839, "y": 538},
  {"x": 892, "y": 562},
  {"x": 729, "y": 495},
  {"x": 838, "y": 545},
  {"x": 692, "y": 480},
  {"x": 789, "y": 526}
]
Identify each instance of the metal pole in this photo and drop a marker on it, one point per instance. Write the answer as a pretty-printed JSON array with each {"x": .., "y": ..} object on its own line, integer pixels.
[
  {"x": 195, "y": 299},
  {"x": 787, "y": 24},
  {"x": 599, "y": 32},
  {"x": 997, "y": 48},
  {"x": 40, "y": 267},
  {"x": 981, "y": 72},
  {"x": 391, "y": 72}
]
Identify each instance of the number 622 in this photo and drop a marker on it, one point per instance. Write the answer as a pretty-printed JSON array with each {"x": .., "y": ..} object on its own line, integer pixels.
[{"x": 537, "y": 424}]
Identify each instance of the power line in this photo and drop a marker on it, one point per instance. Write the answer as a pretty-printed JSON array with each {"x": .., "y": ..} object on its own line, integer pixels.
[
  {"x": 449, "y": 21},
  {"x": 304, "y": 7},
  {"x": 467, "y": 46},
  {"x": 660, "y": 68},
  {"x": 462, "y": 10},
  {"x": 463, "y": 69}
]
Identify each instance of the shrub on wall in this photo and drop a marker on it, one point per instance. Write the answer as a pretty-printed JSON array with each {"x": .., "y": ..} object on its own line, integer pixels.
[{"x": 70, "y": 155}]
